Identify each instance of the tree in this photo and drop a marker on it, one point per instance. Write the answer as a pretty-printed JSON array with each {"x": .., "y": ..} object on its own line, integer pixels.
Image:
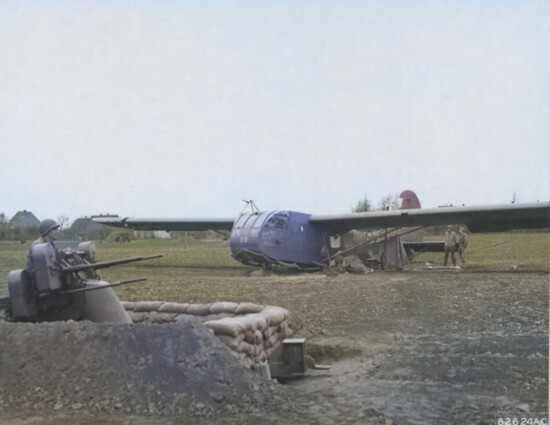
[
  {"x": 63, "y": 222},
  {"x": 4, "y": 226},
  {"x": 120, "y": 236},
  {"x": 389, "y": 202},
  {"x": 85, "y": 229},
  {"x": 363, "y": 205}
]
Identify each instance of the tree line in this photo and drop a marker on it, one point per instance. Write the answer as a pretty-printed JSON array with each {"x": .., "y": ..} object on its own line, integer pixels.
[
  {"x": 388, "y": 202},
  {"x": 80, "y": 229}
]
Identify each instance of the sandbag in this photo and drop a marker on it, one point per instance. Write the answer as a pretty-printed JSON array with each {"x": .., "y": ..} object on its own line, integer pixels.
[
  {"x": 258, "y": 337},
  {"x": 247, "y": 363},
  {"x": 232, "y": 342},
  {"x": 128, "y": 305},
  {"x": 148, "y": 306},
  {"x": 250, "y": 337},
  {"x": 169, "y": 307},
  {"x": 137, "y": 317},
  {"x": 288, "y": 332},
  {"x": 254, "y": 322},
  {"x": 228, "y": 326},
  {"x": 244, "y": 347},
  {"x": 268, "y": 332},
  {"x": 223, "y": 307},
  {"x": 214, "y": 317},
  {"x": 254, "y": 350},
  {"x": 274, "y": 315},
  {"x": 272, "y": 341},
  {"x": 199, "y": 309},
  {"x": 156, "y": 317},
  {"x": 248, "y": 308}
]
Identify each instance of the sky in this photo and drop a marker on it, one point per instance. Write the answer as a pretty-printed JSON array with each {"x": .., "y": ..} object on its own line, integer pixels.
[{"x": 185, "y": 108}]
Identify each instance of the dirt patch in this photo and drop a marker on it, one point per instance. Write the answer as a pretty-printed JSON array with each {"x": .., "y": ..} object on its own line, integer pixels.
[
  {"x": 439, "y": 348},
  {"x": 170, "y": 369},
  {"x": 428, "y": 348}
]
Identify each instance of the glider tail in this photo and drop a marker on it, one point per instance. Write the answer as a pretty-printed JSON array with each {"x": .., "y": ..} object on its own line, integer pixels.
[{"x": 409, "y": 200}]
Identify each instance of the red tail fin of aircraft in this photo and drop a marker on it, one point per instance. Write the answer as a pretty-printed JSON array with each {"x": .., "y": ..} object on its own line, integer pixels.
[{"x": 409, "y": 200}]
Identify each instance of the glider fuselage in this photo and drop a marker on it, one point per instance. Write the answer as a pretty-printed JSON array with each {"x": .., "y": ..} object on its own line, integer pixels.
[{"x": 277, "y": 238}]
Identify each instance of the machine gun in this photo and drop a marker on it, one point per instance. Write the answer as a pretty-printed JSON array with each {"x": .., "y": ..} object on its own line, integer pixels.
[{"x": 53, "y": 287}]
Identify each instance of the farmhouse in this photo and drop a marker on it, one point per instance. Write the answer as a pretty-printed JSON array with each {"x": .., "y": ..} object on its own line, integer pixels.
[{"x": 24, "y": 220}]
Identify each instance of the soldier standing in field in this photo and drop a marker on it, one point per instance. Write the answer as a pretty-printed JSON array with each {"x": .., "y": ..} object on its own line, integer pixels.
[
  {"x": 450, "y": 242},
  {"x": 462, "y": 244}
]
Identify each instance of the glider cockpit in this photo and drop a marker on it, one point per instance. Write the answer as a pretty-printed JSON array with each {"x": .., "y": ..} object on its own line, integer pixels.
[{"x": 284, "y": 238}]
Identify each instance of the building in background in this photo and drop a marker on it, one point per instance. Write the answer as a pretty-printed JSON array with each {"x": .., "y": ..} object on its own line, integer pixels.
[{"x": 24, "y": 220}]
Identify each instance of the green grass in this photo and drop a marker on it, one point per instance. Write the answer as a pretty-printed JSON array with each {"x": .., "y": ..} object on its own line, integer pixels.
[
  {"x": 501, "y": 252},
  {"x": 13, "y": 255},
  {"x": 212, "y": 259},
  {"x": 330, "y": 353},
  {"x": 188, "y": 253}
]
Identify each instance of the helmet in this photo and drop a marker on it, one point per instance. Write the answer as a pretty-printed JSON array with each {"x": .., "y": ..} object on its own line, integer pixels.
[{"x": 46, "y": 226}]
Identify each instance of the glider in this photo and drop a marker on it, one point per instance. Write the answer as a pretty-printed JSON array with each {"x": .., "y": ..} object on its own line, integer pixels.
[{"x": 303, "y": 241}]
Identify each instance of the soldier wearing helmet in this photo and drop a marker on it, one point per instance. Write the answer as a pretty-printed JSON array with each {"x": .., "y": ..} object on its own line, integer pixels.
[
  {"x": 450, "y": 242},
  {"x": 462, "y": 244},
  {"x": 47, "y": 229}
]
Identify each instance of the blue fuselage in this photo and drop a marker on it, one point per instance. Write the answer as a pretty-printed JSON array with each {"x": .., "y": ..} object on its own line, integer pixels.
[{"x": 277, "y": 238}]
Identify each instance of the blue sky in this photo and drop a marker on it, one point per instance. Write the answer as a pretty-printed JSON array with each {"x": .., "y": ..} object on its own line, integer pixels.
[{"x": 185, "y": 108}]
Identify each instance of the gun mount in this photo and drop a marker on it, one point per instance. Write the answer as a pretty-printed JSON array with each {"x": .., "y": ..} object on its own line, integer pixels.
[{"x": 55, "y": 283}]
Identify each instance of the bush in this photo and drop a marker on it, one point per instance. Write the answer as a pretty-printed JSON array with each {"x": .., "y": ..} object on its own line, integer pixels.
[{"x": 120, "y": 236}]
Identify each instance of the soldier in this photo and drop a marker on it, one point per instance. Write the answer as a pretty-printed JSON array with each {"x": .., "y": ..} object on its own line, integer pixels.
[
  {"x": 462, "y": 244},
  {"x": 450, "y": 242},
  {"x": 47, "y": 229}
]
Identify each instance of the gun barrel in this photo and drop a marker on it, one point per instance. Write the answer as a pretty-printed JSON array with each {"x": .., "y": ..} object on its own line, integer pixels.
[
  {"x": 110, "y": 285},
  {"x": 105, "y": 264}
]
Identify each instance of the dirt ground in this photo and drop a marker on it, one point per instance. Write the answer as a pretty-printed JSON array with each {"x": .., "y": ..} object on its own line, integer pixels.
[{"x": 441, "y": 347}]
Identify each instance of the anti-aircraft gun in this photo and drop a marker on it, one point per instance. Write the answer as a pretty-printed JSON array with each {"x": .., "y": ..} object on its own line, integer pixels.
[{"x": 56, "y": 284}]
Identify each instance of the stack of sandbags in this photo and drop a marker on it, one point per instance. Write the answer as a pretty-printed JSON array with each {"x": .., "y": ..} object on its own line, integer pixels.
[
  {"x": 253, "y": 337},
  {"x": 251, "y": 331},
  {"x": 161, "y": 311}
]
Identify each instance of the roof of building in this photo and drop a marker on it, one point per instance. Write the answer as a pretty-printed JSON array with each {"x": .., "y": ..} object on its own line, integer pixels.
[{"x": 24, "y": 219}]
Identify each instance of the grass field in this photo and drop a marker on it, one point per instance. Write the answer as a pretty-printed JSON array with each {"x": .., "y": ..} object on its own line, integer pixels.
[{"x": 503, "y": 252}]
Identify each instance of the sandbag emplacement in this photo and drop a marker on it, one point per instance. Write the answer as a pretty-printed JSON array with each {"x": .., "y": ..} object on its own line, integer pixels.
[
  {"x": 169, "y": 369},
  {"x": 251, "y": 331}
]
